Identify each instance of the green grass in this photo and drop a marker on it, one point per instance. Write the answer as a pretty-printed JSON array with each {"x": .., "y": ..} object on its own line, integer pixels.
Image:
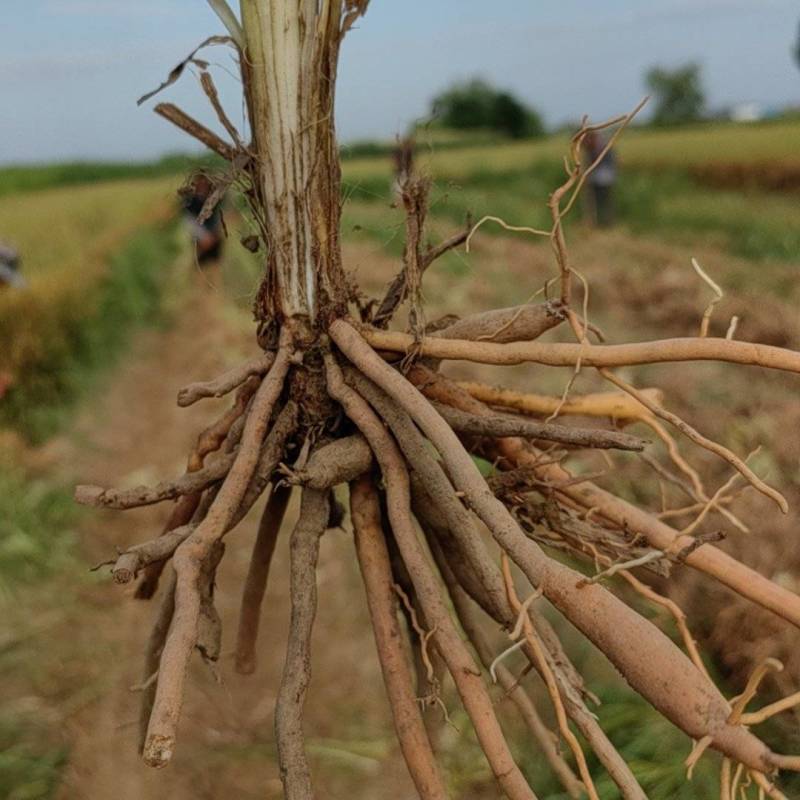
[
  {"x": 36, "y": 520},
  {"x": 37, "y": 544},
  {"x": 37, "y": 177},
  {"x": 87, "y": 334},
  {"x": 681, "y": 147},
  {"x": 757, "y": 226},
  {"x": 30, "y": 769},
  {"x": 652, "y": 747}
]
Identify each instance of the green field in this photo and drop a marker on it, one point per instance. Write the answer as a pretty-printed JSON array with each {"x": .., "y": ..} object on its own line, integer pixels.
[
  {"x": 655, "y": 192},
  {"x": 642, "y": 147},
  {"x": 96, "y": 259}
]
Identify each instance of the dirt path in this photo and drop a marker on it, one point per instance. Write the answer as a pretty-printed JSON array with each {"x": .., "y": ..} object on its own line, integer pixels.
[{"x": 135, "y": 433}]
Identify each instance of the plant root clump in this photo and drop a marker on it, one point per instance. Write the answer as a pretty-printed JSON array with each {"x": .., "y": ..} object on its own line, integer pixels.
[{"x": 333, "y": 398}]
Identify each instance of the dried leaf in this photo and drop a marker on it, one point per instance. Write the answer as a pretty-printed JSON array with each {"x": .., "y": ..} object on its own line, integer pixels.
[{"x": 177, "y": 71}]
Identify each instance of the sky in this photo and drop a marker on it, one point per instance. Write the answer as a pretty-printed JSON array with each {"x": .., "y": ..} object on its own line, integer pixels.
[{"x": 71, "y": 70}]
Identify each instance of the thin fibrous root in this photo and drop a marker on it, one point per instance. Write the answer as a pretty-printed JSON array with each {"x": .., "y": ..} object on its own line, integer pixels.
[
  {"x": 256, "y": 582},
  {"x": 714, "y": 447},
  {"x": 572, "y": 691},
  {"x": 373, "y": 559},
  {"x": 227, "y": 382},
  {"x": 304, "y": 552},
  {"x": 532, "y": 639},
  {"x": 465, "y": 610},
  {"x": 759, "y": 673},
  {"x": 698, "y": 708},
  {"x": 677, "y": 614},
  {"x": 779, "y": 706},
  {"x": 708, "y": 559},
  {"x": 398, "y": 289},
  {"x": 466, "y": 674},
  {"x": 188, "y": 560}
]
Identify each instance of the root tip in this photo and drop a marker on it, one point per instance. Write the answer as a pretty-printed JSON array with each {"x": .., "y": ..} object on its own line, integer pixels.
[
  {"x": 245, "y": 665},
  {"x": 122, "y": 575},
  {"x": 88, "y": 495},
  {"x": 157, "y": 751}
]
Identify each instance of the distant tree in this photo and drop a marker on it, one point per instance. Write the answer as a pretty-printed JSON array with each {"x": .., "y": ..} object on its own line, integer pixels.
[
  {"x": 679, "y": 95},
  {"x": 515, "y": 119},
  {"x": 796, "y": 48},
  {"x": 477, "y": 105}
]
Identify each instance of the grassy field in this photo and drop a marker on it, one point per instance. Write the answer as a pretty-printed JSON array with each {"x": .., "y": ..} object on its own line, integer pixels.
[
  {"x": 654, "y": 194},
  {"x": 15, "y": 180},
  {"x": 641, "y": 147},
  {"x": 96, "y": 259}
]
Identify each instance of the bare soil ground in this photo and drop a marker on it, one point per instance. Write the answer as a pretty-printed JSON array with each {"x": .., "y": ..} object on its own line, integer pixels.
[{"x": 135, "y": 433}]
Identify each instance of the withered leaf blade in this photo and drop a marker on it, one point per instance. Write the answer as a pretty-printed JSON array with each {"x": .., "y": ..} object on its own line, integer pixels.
[{"x": 177, "y": 70}]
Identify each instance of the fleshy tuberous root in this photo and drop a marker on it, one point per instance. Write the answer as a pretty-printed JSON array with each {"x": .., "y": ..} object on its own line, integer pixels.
[
  {"x": 557, "y": 354},
  {"x": 373, "y": 559},
  {"x": 256, "y": 582},
  {"x": 188, "y": 561},
  {"x": 698, "y": 708},
  {"x": 466, "y": 674},
  {"x": 304, "y": 552},
  {"x": 504, "y": 325},
  {"x": 468, "y": 617},
  {"x": 227, "y": 382},
  {"x": 618, "y": 406},
  {"x": 516, "y": 452}
]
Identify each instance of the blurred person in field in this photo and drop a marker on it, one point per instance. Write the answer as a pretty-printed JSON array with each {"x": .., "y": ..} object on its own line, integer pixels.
[
  {"x": 9, "y": 268},
  {"x": 600, "y": 183},
  {"x": 207, "y": 233},
  {"x": 403, "y": 162}
]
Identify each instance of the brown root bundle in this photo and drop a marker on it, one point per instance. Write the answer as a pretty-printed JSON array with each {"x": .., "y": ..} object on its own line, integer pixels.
[{"x": 330, "y": 401}]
